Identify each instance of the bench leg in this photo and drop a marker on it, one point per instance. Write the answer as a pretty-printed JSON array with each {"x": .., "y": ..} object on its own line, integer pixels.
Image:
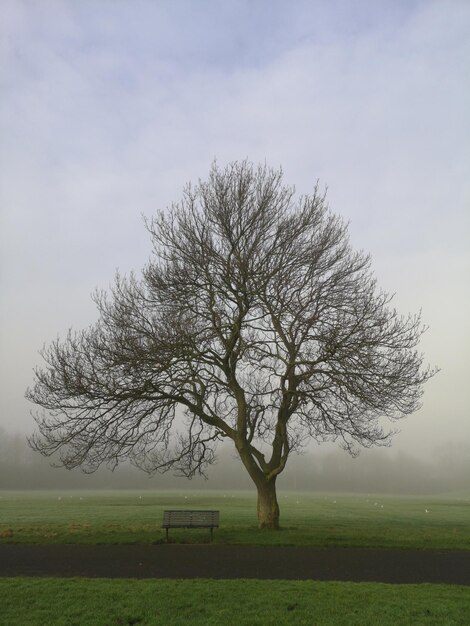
[
  {"x": 166, "y": 534},
  {"x": 212, "y": 534}
]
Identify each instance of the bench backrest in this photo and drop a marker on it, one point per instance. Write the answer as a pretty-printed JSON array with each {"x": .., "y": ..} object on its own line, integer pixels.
[{"x": 190, "y": 519}]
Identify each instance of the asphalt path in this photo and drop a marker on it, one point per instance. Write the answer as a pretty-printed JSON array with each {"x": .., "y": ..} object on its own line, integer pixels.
[{"x": 230, "y": 561}]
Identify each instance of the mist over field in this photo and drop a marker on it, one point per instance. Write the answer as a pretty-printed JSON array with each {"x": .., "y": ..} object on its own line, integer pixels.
[{"x": 325, "y": 468}]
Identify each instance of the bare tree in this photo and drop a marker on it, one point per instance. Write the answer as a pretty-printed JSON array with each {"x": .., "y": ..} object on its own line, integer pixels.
[{"x": 257, "y": 319}]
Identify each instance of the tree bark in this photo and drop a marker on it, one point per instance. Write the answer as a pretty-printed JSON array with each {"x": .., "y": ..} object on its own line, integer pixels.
[{"x": 268, "y": 507}]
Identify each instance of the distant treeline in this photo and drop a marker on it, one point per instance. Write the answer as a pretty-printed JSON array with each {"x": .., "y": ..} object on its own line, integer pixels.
[{"x": 319, "y": 469}]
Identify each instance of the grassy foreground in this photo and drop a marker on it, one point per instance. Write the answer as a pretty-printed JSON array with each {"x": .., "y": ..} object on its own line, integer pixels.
[
  {"x": 307, "y": 519},
  {"x": 100, "y": 602}
]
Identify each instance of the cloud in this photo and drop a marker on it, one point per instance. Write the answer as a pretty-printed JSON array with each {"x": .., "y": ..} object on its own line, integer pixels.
[{"x": 109, "y": 109}]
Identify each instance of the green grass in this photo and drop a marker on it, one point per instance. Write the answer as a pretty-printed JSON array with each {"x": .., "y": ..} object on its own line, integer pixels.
[
  {"x": 101, "y": 602},
  {"x": 306, "y": 518}
]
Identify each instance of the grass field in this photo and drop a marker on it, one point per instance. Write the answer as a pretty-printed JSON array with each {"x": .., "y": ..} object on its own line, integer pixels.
[
  {"x": 101, "y": 602},
  {"x": 307, "y": 519}
]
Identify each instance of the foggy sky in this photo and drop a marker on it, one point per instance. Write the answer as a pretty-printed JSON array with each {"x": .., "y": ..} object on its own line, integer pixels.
[{"x": 109, "y": 108}]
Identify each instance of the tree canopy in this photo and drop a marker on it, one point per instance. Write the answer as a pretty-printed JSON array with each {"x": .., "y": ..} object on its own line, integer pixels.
[{"x": 254, "y": 321}]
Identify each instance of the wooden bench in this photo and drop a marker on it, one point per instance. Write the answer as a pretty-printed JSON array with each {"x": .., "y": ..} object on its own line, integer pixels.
[{"x": 190, "y": 519}]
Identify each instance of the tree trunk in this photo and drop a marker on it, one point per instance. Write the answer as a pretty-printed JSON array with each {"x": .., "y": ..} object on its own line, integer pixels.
[{"x": 268, "y": 507}]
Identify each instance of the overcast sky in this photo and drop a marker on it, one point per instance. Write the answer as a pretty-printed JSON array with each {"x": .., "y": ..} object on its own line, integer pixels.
[{"x": 109, "y": 107}]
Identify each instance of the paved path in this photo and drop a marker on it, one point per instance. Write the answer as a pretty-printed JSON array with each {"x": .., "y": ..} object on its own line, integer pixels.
[{"x": 228, "y": 561}]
